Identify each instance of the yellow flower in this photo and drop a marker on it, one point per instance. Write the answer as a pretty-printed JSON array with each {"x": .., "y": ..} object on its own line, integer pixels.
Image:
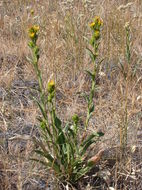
[
  {"x": 32, "y": 12},
  {"x": 51, "y": 86},
  {"x": 92, "y": 24},
  {"x": 33, "y": 31},
  {"x": 36, "y": 28},
  {"x": 52, "y": 82},
  {"x": 97, "y": 34},
  {"x": 96, "y": 24},
  {"x": 31, "y": 34},
  {"x": 98, "y": 20}
]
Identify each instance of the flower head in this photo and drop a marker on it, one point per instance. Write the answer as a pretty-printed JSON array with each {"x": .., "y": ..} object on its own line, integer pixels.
[
  {"x": 96, "y": 34},
  {"x": 98, "y": 21},
  {"x": 31, "y": 35},
  {"x": 33, "y": 32},
  {"x": 36, "y": 28},
  {"x": 32, "y": 12},
  {"x": 51, "y": 86},
  {"x": 92, "y": 24},
  {"x": 75, "y": 118},
  {"x": 96, "y": 27}
]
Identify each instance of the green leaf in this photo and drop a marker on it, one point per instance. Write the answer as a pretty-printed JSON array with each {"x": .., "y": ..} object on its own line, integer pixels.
[
  {"x": 48, "y": 164},
  {"x": 71, "y": 132},
  {"x": 68, "y": 153},
  {"x": 45, "y": 128},
  {"x": 99, "y": 63},
  {"x": 61, "y": 138},
  {"x": 40, "y": 161},
  {"x": 90, "y": 74},
  {"x": 78, "y": 162},
  {"x": 90, "y": 137},
  {"x": 70, "y": 143},
  {"x": 100, "y": 134},
  {"x": 86, "y": 146},
  {"x": 92, "y": 55},
  {"x": 66, "y": 127},
  {"x": 82, "y": 172},
  {"x": 90, "y": 140},
  {"x": 40, "y": 107},
  {"x": 31, "y": 44},
  {"x": 91, "y": 109},
  {"x": 52, "y": 162},
  {"x": 58, "y": 123},
  {"x": 39, "y": 143}
]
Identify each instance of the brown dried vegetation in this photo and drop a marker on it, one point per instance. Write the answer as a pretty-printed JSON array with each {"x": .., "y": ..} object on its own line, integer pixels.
[{"x": 64, "y": 29}]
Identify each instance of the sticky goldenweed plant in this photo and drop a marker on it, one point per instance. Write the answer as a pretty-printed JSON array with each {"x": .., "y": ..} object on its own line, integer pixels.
[
  {"x": 60, "y": 148},
  {"x": 93, "y": 52}
]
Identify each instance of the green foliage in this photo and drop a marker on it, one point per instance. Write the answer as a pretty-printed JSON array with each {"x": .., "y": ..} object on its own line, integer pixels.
[
  {"x": 60, "y": 147},
  {"x": 94, "y": 42}
]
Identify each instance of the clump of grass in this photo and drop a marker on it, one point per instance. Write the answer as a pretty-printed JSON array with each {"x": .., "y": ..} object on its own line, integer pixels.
[
  {"x": 60, "y": 147},
  {"x": 127, "y": 74}
]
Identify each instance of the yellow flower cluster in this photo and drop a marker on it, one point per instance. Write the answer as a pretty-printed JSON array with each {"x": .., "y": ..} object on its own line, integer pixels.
[
  {"x": 33, "y": 31},
  {"x": 97, "y": 23},
  {"x": 95, "y": 26}
]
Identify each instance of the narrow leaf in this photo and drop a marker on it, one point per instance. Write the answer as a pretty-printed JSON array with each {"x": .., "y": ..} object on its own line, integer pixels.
[
  {"x": 90, "y": 74},
  {"x": 86, "y": 146},
  {"x": 93, "y": 57},
  {"x": 91, "y": 109},
  {"x": 46, "y": 164},
  {"x": 52, "y": 163},
  {"x": 41, "y": 108}
]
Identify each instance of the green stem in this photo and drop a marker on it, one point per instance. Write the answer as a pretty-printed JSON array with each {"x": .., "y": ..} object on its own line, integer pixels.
[
  {"x": 52, "y": 114},
  {"x": 91, "y": 96}
]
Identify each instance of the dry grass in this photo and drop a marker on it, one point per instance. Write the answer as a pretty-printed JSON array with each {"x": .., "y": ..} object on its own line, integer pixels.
[{"x": 64, "y": 28}]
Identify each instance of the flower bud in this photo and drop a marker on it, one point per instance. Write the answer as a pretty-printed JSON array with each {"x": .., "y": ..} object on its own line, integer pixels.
[
  {"x": 36, "y": 28},
  {"x": 51, "y": 86},
  {"x": 75, "y": 118},
  {"x": 92, "y": 25},
  {"x": 31, "y": 35},
  {"x": 32, "y": 12},
  {"x": 96, "y": 34}
]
